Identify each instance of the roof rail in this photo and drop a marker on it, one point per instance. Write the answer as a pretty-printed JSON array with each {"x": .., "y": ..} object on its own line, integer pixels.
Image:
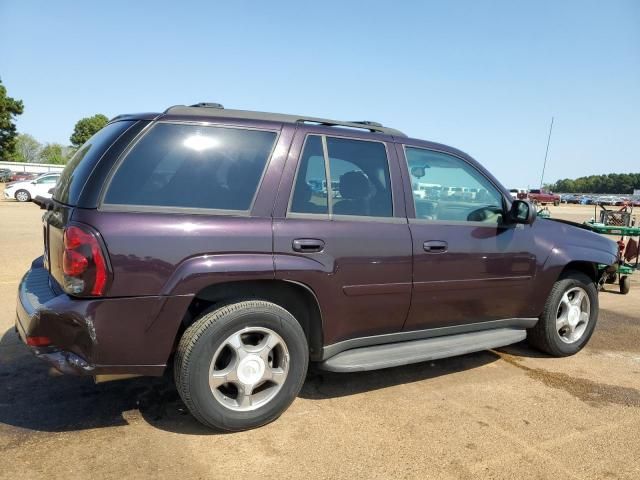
[
  {"x": 368, "y": 122},
  {"x": 207, "y": 105},
  {"x": 217, "y": 110}
]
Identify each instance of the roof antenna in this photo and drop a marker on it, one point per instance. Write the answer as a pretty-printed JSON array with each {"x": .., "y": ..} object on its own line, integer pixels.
[{"x": 546, "y": 154}]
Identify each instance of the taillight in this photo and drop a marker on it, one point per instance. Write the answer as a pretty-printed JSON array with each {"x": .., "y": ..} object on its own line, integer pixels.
[
  {"x": 38, "y": 341},
  {"x": 83, "y": 263}
]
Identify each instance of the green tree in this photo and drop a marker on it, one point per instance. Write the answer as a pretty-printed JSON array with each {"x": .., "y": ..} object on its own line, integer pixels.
[
  {"x": 27, "y": 148},
  {"x": 620, "y": 183},
  {"x": 53, "y": 153},
  {"x": 9, "y": 109},
  {"x": 86, "y": 127}
]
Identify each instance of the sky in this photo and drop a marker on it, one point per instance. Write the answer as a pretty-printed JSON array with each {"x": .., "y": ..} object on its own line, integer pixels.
[{"x": 483, "y": 76}]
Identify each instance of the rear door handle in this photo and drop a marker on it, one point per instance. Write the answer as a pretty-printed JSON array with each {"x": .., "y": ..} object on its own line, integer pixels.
[
  {"x": 435, "y": 246},
  {"x": 308, "y": 245}
]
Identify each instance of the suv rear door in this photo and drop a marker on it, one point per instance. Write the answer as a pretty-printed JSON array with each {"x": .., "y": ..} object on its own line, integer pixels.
[
  {"x": 468, "y": 266},
  {"x": 340, "y": 228}
]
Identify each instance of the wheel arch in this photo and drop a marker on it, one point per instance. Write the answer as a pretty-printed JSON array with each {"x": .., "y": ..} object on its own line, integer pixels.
[
  {"x": 590, "y": 269},
  {"x": 295, "y": 297}
]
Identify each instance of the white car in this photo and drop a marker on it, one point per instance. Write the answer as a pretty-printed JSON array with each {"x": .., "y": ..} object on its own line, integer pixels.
[{"x": 27, "y": 190}]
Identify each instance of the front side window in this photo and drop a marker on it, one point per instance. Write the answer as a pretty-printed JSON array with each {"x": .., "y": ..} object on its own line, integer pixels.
[
  {"x": 48, "y": 179},
  {"x": 359, "y": 178},
  {"x": 445, "y": 188},
  {"x": 192, "y": 166}
]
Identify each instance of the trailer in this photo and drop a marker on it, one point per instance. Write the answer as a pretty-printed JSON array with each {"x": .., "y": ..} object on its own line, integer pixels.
[{"x": 622, "y": 223}]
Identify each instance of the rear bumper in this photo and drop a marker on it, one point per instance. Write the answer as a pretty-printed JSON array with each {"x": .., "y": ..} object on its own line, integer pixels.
[
  {"x": 97, "y": 336},
  {"x": 34, "y": 294}
]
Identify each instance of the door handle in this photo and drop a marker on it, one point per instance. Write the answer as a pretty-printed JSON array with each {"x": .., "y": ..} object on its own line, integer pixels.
[
  {"x": 435, "y": 246},
  {"x": 308, "y": 245}
]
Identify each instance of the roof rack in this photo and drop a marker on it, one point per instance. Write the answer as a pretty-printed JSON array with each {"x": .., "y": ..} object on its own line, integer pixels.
[{"x": 207, "y": 109}]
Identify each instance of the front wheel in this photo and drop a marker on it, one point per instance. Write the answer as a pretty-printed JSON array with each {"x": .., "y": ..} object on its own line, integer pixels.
[
  {"x": 241, "y": 366},
  {"x": 569, "y": 316},
  {"x": 22, "y": 196}
]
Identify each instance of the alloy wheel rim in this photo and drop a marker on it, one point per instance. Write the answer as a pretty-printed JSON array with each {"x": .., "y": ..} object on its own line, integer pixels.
[
  {"x": 21, "y": 196},
  {"x": 573, "y": 315},
  {"x": 249, "y": 368}
]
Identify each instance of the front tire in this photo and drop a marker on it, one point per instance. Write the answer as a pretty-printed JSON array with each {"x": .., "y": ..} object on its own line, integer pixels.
[
  {"x": 242, "y": 365},
  {"x": 569, "y": 316},
  {"x": 22, "y": 196}
]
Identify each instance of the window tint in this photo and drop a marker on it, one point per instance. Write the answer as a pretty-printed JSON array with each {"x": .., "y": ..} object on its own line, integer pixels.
[
  {"x": 310, "y": 193},
  {"x": 192, "y": 166},
  {"x": 360, "y": 184},
  {"x": 448, "y": 189},
  {"x": 77, "y": 170}
]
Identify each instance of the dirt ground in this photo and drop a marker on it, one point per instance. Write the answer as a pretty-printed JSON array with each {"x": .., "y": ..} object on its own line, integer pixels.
[{"x": 513, "y": 413}]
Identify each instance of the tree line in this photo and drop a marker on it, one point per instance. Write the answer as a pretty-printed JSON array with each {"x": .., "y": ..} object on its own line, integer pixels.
[
  {"x": 22, "y": 147},
  {"x": 621, "y": 183}
]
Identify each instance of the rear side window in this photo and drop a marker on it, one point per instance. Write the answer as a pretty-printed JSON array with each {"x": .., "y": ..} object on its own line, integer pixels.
[
  {"x": 310, "y": 193},
  {"x": 359, "y": 184},
  {"x": 359, "y": 178},
  {"x": 82, "y": 163},
  {"x": 192, "y": 166}
]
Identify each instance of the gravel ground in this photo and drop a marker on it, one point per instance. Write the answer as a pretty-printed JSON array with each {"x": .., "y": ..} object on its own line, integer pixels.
[{"x": 512, "y": 413}]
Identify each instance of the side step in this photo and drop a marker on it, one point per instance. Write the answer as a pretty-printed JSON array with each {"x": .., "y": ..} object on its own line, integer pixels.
[{"x": 404, "y": 353}]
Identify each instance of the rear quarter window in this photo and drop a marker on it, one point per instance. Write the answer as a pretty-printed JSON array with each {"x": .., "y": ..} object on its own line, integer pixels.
[
  {"x": 77, "y": 170},
  {"x": 192, "y": 166}
]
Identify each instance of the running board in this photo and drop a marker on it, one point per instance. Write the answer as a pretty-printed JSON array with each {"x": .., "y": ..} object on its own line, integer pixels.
[{"x": 404, "y": 353}]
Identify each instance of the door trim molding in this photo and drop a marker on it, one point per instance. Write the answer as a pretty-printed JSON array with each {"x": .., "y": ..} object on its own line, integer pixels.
[
  {"x": 377, "y": 289},
  {"x": 329, "y": 351}
]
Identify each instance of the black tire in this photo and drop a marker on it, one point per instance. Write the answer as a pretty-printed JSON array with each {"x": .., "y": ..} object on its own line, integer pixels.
[
  {"x": 19, "y": 194},
  {"x": 556, "y": 203},
  {"x": 200, "y": 342},
  {"x": 544, "y": 335},
  {"x": 625, "y": 285}
]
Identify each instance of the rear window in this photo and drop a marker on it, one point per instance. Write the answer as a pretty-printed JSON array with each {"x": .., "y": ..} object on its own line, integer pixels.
[
  {"x": 81, "y": 164},
  {"x": 192, "y": 166}
]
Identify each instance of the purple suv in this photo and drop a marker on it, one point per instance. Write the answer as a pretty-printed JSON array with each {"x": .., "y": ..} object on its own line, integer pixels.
[{"x": 239, "y": 246}]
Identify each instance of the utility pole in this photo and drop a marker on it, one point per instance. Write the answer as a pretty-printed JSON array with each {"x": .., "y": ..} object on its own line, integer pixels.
[{"x": 546, "y": 154}]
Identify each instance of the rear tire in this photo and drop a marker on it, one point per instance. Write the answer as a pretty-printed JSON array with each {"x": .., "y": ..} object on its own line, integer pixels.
[
  {"x": 556, "y": 203},
  {"x": 569, "y": 316},
  {"x": 242, "y": 365},
  {"x": 625, "y": 285},
  {"x": 22, "y": 196}
]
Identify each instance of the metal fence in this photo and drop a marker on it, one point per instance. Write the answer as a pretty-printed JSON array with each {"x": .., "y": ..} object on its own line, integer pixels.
[{"x": 31, "y": 167}]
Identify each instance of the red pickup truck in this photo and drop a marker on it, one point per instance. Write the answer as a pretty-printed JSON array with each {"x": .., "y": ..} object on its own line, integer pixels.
[{"x": 541, "y": 197}]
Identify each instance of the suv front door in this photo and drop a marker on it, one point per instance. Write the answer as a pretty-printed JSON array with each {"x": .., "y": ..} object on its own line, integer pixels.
[
  {"x": 340, "y": 230},
  {"x": 469, "y": 266}
]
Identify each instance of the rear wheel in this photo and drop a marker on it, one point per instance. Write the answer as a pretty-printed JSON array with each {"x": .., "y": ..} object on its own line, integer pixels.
[
  {"x": 569, "y": 316},
  {"x": 241, "y": 366},
  {"x": 625, "y": 285},
  {"x": 556, "y": 203},
  {"x": 22, "y": 196}
]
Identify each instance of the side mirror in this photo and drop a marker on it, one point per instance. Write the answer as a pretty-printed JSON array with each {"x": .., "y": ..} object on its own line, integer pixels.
[
  {"x": 34, "y": 182},
  {"x": 522, "y": 212},
  {"x": 418, "y": 172}
]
